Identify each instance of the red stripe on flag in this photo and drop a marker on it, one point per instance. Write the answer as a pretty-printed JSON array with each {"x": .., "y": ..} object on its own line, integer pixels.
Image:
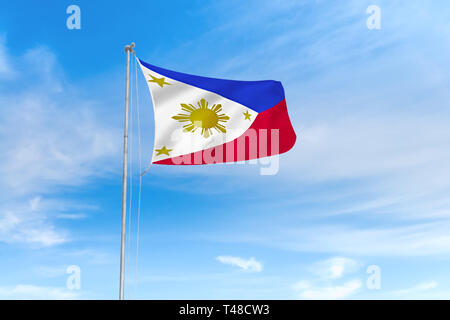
[{"x": 271, "y": 133}]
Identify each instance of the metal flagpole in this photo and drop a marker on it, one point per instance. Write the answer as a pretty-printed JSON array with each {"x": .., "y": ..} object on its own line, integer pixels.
[{"x": 128, "y": 50}]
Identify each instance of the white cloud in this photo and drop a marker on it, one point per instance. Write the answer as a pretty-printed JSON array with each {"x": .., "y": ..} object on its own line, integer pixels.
[
  {"x": 31, "y": 222},
  {"x": 26, "y": 227},
  {"x": 424, "y": 239},
  {"x": 34, "y": 203},
  {"x": 25, "y": 291},
  {"x": 410, "y": 293},
  {"x": 305, "y": 290},
  {"x": 51, "y": 138},
  {"x": 335, "y": 268},
  {"x": 410, "y": 240},
  {"x": 326, "y": 273},
  {"x": 8, "y": 221},
  {"x": 363, "y": 146},
  {"x": 53, "y": 146},
  {"x": 246, "y": 264}
]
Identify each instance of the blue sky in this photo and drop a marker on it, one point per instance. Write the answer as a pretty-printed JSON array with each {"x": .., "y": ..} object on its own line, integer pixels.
[{"x": 366, "y": 184}]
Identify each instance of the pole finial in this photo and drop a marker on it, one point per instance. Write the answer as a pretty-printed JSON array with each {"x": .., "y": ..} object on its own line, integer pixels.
[{"x": 129, "y": 47}]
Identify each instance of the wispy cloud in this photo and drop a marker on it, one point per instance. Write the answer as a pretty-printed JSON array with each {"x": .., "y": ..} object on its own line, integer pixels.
[
  {"x": 420, "y": 288},
  {"x": 305, "y": 290},
  {"x": 251, "y": 264},
  {"x": 335, "y": 268},
  {"x": 325, "y": 274},
  {"x": 424, "y": 290},
  {"x": 53, "y": 139},
  {"x": 27, "y": 225},
  {"x": 421, "y": 239},
  {"x": 52, "y": 136},
  {"x": 25, "y": 291}
]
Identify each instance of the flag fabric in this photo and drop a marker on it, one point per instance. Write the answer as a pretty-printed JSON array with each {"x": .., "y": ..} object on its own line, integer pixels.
[{"x": 200, "y": 120}]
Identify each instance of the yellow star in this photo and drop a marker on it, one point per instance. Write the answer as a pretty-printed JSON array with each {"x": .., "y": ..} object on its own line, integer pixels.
[
  {"x": 247, "y": 115},
  {"x": 163, "y": 150},
  {"x": 160, "y": 81}
]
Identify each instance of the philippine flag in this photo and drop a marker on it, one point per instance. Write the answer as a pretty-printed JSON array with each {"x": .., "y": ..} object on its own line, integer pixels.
[{"x": 200, "y": 120}]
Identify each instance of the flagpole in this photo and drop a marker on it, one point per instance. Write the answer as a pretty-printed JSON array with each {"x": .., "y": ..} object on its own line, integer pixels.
[{"x": 128, "y": 50}]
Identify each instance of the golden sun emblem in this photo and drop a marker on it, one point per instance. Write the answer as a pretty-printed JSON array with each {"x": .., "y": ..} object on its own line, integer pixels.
[{"x": 202, "y": 117}]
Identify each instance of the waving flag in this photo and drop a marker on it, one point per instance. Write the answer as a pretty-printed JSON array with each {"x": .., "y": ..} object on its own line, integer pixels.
[{"x": 200, "y": 120}]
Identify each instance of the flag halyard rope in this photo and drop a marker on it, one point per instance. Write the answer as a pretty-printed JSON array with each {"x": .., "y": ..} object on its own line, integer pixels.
[{"x": 130, "y": 170}]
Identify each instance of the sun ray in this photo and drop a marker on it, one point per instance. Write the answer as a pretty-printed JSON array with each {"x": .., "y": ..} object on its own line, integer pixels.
[{"x": 202, "y": 117}]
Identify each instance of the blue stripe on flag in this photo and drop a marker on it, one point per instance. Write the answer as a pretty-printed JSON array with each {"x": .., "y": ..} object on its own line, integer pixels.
[{"x": 256, "y": 95}]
